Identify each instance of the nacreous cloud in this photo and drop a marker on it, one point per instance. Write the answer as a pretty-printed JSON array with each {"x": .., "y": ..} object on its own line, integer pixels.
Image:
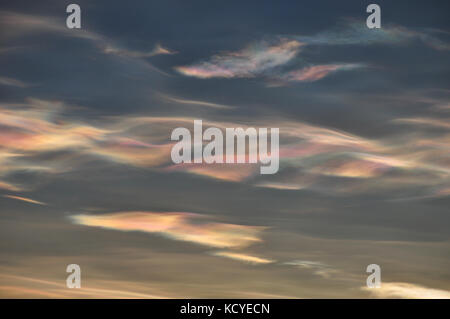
[
  {"x": 356, "y": 33},
  {"x": 317, "y": 72},
  {"x": 243, "y": 257},
  {"x": 177, "y": 226},
  {"x": 19, "y": 25},
  {"x": 408, "y": 291},
  {"x": 247, "y": 63}
]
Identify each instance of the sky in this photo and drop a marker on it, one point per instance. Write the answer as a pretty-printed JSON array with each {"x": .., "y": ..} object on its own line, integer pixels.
[{"x": 86, "y": 175}]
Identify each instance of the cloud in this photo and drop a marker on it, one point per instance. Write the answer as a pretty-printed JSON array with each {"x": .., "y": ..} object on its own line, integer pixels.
[
  {"x": 18, "y": 24},
  {"x": 29, "y": 287},
  {"x": 243, "y": 257},
  {"x": 398, "y": 290},
  {"x": 157, "y": 50},
  {"x": 133, "y": 152},
  {"x": 318, "y": 268},
  {"x": 188, "y": 227},
  {"x": 354, "y": 168},
  {"x": 177, "y": 226},
  {"x": 260, "y": 60},
  {"x": 265, "y": 58},
  {"x": 277, "y": 185},
  {"x": 9, "y": 187},
  {"x": 233, "y": 173},
  {"x": 196, "y": 102},
  {"x": 309, "y": 152},
  {"x": 425, "y": 122},
  {"x": 12, "y": 82},
  {"x": 317, "y": 72},
  {"x": 39, "y": 128},
  {"x": 351, "y": 32},
  {"x": 249, "y": 62},
  {"x": 28, "y": 200}
]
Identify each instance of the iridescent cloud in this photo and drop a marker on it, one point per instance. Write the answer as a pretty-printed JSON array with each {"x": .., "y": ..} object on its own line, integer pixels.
[
  {"x": 407, "y": 291},
  {"x": 318, "y": 268},
  {"x": 188, "y": 227},
  {"x": 227, "y": 172},
  {"x": 19, "y": 24},
  {"x": 243, "y": 257},
  {"x": 317, "y": 72},
  {"x": 39, "y": 127},
  {"x": 352, "y": 32},
  {"x": 432, "y": 122},
  {"x": 29, "y": 287},
  {"x": 25, "y": 199},
  {"x": 247, "y": 63},
  {"x": 196, "y": 102},
  {"x": 109, "y": 48}
]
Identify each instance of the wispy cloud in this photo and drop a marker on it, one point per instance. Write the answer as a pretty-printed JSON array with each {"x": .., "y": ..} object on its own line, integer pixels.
[
  {"x": 432, "y": 122},
  {"x": 29, "y": 287},
  {"x": 12, "y": 82},
  {"x": 9, "y": 187},
  {"x": 196, "y": 102},
  {"x": 263, "y": 59},
  {"x": 157, "y": 50},
  {"x": 249, "y": 62},
  {"x": 399, "y": 290},
  {"x": 38, "y": 127},
  {"x": 318, "y": 268},
  {"x": 226, "y": 172},
  {"x": 243, "y": 257},
  {"x": 351, "y": 32},
  {"x": 188, "y": 227},
  {"x": 25, "y": 199},
  {"x": 309, "y": 152},
  {"x": 317, "y": 72},
  {"x": 266, "y": 58},
  {"x": 18, "y": 24}
]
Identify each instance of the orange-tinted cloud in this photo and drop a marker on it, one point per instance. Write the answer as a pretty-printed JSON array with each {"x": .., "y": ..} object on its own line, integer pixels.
[
  {"x": 177, "y": 226},
  {"x": 425, "y": 121},
  {"x": 28, "y": 287},
  {"x": 399, "y": 290},
  {"x": 317, "y": 72},
  {"x": 227, "y": 172},
  {"x": 25, "y": 199},
  {"x": 243, "y": 257}
]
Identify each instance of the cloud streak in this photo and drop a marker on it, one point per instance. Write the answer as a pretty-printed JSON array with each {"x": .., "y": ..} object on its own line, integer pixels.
[
  {"x": 249, "y": 62},
  {"x": 12, "y": 82},
  {"x": 196, "y": 102},
  {"x": 25, "y": 199},
  {"x": 356, "y": 33},
  {"x": 19, "y": 25},
  {"x": 399, "y": 290},
  {"x": 177, "y": 226},
  {"x": 243, "y": 257},
  {"x": 317, "y": 72},
  {"x": 318, "y": 268}
]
